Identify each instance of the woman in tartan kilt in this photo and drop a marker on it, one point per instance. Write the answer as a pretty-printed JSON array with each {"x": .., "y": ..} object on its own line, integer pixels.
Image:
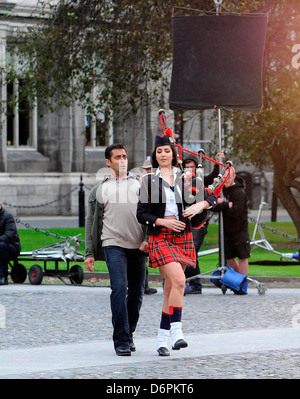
[{"x": 161, "y": 207}]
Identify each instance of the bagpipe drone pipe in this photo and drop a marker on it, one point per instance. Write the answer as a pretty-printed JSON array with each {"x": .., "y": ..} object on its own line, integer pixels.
[{"x": 194, "y": 190}]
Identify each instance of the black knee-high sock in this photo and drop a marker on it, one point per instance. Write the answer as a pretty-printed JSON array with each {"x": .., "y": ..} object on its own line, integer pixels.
[
  {"x": 165, "y": 321},
  {"x": 175, "y": 314}
]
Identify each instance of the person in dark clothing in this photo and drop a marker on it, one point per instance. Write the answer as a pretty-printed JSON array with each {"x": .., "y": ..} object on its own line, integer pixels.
[
  {"x": 194, "y": 285},
  {"x": 235, "y": 216},
  {"x": 10, "y": 246}
]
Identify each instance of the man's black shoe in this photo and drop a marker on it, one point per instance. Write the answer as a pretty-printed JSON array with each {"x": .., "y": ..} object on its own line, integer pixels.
[
  {"x": 150, "y": 291},
  {"x": 189, "y": 289},
  {"x": 123, "y": 351},
  {"x": 196, "y": 290},
  {"x": 3, "y": 281},
  {"x": 132, "y": 346}
]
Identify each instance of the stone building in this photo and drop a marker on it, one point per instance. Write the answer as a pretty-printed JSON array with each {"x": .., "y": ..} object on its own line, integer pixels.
[{"x": 43, "y": 154}]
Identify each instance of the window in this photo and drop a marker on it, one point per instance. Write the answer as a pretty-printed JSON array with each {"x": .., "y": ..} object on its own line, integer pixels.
[
  {"x": 21, "y": 117},
  {"x": 97, "y": 130}
]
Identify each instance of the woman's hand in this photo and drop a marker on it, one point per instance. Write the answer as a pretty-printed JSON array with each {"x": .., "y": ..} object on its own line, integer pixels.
[
  {"x": 172, "y": 224},
  {"x": 194, "y": 209}
]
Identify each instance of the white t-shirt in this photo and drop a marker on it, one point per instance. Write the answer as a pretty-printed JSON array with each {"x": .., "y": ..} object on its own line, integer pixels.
[{"x": 171, "y": 206}]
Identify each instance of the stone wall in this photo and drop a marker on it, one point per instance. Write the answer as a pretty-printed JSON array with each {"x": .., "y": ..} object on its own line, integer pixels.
[{"x": 43, "y": 194}]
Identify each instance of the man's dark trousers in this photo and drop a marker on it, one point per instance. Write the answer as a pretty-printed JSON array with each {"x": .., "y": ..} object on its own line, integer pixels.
[
  {"x": 7, "y": 252},
  {"x": 126, "y": 269}
]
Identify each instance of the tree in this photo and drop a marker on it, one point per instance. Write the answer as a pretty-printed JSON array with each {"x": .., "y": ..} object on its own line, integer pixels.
[
  {"x": 123, "y": 50},
  {"x": 119, "y": 50},
  {"x": 272, "y": 137}
]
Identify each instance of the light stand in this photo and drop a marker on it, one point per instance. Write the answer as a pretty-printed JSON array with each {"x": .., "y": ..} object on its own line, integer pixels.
[
  {"x": 219, "y": 272},
  {"x": 221, "y": 220},
  {"x": 218, "y": 4}
]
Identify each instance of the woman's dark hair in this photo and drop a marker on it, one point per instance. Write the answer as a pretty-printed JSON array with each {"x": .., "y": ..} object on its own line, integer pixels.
[
  {"x": 154, "y": 160},
  {"x": 116, "y": 146}
]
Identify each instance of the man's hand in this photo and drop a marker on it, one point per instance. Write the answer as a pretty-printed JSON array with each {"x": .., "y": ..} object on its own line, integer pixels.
[
  {"x": 220, "y": 155},
  {"x": 144, "y": 247},
  {"x": 89, "y": 264}
]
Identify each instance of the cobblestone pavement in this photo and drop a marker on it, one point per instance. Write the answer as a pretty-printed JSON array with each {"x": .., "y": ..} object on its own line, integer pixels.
[{"x": 52, "y": 315}]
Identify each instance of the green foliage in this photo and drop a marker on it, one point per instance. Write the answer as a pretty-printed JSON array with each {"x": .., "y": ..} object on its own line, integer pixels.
[
  {"x": 119, "y": 47},
  {"x": 272, "y": 137}
]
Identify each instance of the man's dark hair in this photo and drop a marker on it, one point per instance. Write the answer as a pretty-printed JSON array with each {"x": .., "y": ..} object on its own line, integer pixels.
[
  {"x": 190, "y": 158},
  {"x": 110, "y": 148}
]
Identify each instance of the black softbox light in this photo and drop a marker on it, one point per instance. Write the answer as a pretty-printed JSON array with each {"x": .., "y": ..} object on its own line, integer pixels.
[{"x": 217, "y": 61}]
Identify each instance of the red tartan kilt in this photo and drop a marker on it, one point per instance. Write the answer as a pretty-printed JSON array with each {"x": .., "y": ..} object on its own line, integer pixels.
[{"x": 167, "y": 247}]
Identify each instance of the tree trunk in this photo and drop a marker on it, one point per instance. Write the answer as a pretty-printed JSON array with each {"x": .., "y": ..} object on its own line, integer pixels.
[{"x": 287, "y": 199}]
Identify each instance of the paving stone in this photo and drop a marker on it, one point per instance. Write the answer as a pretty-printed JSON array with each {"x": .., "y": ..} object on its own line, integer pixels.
[{"x": 52, "y": 315}]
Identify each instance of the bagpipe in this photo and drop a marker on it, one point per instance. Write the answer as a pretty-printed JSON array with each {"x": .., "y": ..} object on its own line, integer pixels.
[{"x": 194, "y": 182}]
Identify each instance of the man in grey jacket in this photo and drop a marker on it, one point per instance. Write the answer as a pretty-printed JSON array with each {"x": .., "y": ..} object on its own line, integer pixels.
[
  {"x": 9, "y": 243},
  {"x": 114, "y": 234}
]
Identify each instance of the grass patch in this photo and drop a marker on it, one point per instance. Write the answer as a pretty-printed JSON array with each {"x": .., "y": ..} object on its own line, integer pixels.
[{"x": 31, "y": 240}]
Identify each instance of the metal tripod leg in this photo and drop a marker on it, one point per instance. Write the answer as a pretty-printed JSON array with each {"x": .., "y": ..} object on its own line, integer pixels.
[{"x": 261, "y": 289}]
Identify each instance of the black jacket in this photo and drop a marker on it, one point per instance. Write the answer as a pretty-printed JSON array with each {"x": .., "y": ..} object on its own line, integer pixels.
[
  {"x": 235, "y": 218},
  {"x": 8, "y": 229},
  {"x": 152, "y": 201}
]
